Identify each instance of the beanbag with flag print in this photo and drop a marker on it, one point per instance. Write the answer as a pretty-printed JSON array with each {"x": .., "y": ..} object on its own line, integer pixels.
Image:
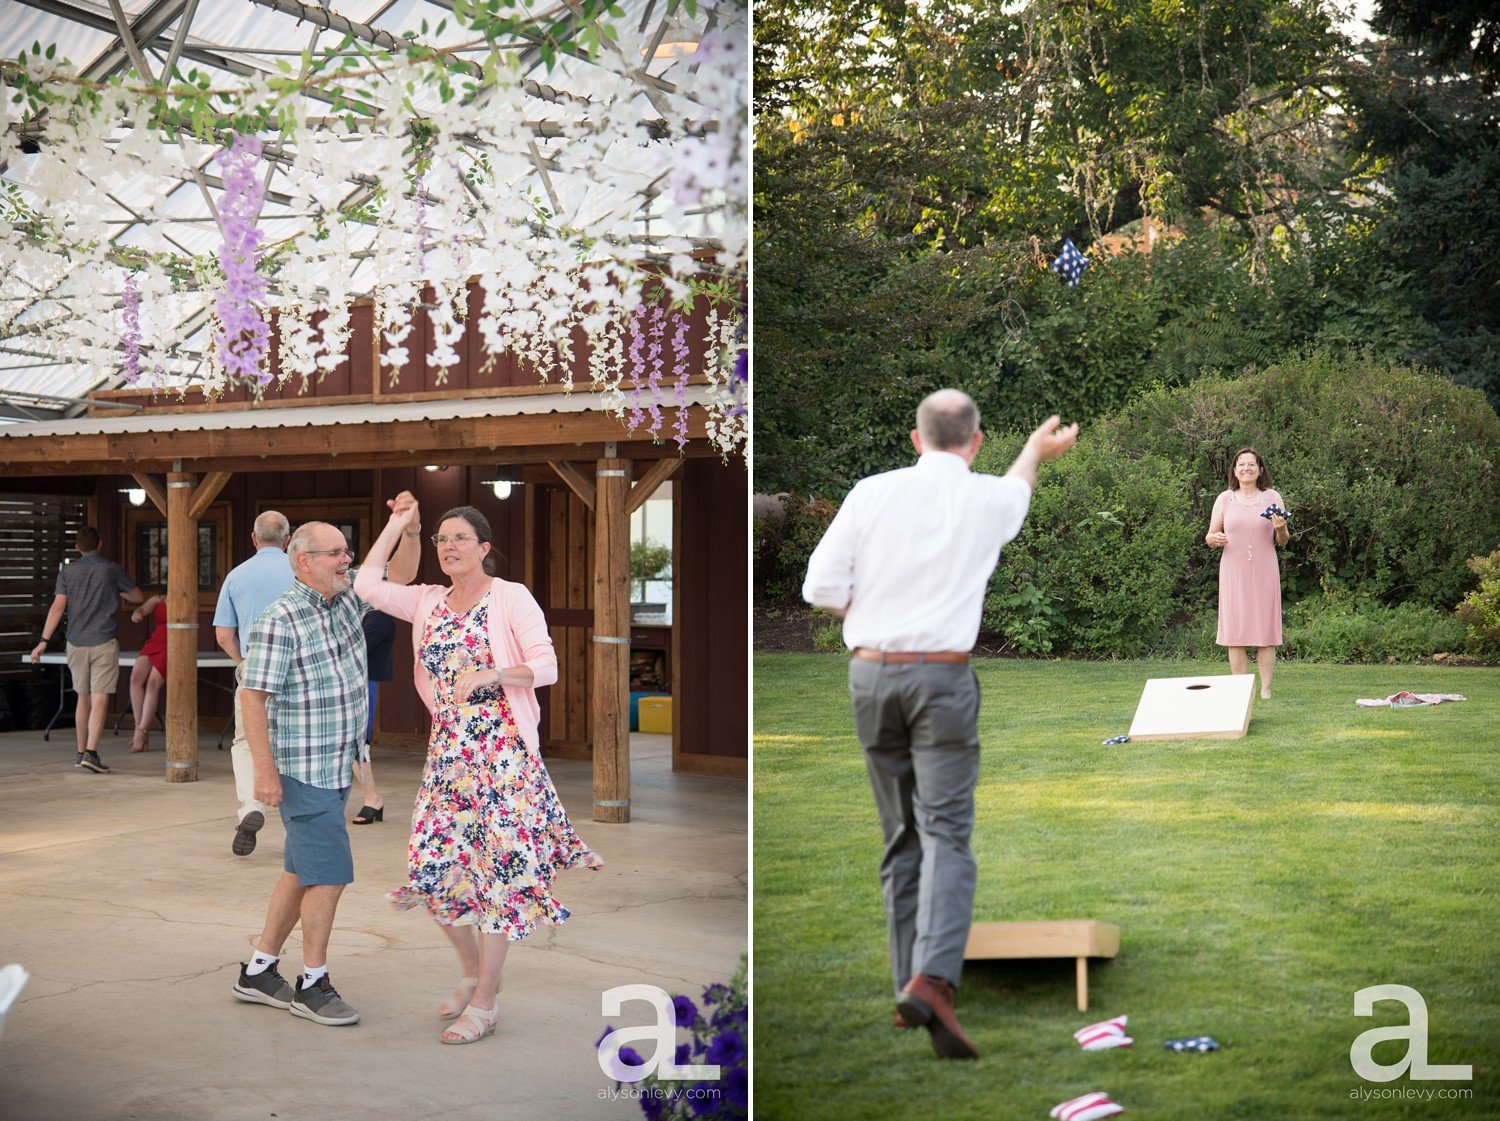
[
  {"x": 1104, "y": 1036},
  {"x": 1090, "y": 1107}
]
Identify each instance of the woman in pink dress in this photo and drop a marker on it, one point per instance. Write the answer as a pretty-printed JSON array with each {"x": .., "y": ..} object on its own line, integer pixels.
[
  {"x": 489, "y": 835},
  {"x": 1249, "y": 575}
]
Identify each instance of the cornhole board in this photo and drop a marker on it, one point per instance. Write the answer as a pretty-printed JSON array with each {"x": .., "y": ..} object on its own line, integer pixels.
[
  {"x": 1080, "y": 939},
  {"x": 1182, "y": 708}
]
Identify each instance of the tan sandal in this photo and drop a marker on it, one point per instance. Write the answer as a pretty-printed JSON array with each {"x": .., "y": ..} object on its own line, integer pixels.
[
  {"x": 473, "y": 1025},
  {"x": 453, "y": 1007}
]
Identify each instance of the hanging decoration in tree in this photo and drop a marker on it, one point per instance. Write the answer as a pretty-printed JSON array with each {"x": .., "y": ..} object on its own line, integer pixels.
[{"x": 1069, "y": 264}]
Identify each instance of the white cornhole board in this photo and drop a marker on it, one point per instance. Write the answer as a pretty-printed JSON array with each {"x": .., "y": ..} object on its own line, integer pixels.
[{"x": 1181, "y": 708}]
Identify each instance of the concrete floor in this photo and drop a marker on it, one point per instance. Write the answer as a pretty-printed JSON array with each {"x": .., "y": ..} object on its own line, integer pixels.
[{"x": 119, "y": 894}]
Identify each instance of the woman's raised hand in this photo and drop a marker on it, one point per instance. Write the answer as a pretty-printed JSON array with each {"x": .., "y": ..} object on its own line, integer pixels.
[{"x": 404, "y": 510}]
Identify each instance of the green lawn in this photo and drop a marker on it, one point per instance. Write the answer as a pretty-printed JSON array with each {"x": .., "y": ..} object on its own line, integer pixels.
[{"x": 1257, "y": 884}]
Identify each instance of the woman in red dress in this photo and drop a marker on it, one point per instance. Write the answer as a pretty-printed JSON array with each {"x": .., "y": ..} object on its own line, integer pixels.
[{"x": 150, "y": 671}]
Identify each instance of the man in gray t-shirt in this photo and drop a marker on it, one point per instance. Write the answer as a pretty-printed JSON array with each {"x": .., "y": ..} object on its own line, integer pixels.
[{"x": 88, "y": 592}]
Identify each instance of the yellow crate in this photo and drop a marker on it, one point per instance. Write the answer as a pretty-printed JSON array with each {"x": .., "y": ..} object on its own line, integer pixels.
[{"x": 656, "y": 715}]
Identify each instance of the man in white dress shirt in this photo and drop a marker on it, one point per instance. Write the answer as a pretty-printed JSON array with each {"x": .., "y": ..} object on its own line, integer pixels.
[{"x": 905, "y": 563}]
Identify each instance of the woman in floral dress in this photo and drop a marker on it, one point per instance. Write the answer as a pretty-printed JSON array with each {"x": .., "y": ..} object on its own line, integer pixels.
[{"x": 488, "y": 832}]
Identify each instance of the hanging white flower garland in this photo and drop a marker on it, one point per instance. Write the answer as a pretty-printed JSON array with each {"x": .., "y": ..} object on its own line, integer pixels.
[{"x": 570, "y": 254}]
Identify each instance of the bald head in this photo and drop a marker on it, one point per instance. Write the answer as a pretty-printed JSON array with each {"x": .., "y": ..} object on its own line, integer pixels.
[
  {"x": 271, "y": 528},
  {"x": 947, "y": 421}
]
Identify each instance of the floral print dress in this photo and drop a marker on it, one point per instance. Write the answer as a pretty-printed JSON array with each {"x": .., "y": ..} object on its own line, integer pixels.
[{"x": 488, "y": 832}]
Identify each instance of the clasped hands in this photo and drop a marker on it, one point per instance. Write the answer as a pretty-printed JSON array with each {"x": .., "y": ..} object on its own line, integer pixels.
[{"x": 404, "y": 510}]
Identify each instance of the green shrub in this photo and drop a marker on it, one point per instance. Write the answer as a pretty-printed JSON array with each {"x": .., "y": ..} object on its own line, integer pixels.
[
  {"x": 1480, "y": 610},
  {"x": 782, "y": 546},
  {"x": 1094, "y": 569},
  {"x": 1392, "y": 474},
  {"x": 1342, "y": 628}
]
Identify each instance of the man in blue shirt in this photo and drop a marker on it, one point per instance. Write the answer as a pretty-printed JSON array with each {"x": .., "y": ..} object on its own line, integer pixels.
[
  {"x": 248, "y": 590},
  {"x": 88, "y": 591}
]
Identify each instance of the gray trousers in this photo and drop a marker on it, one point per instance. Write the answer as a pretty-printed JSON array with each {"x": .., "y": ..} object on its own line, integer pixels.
[{"x": 918, "y": 725}]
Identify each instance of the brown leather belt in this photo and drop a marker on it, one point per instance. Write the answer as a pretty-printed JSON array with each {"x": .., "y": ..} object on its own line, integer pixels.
[{"x": 903, "y": 656}]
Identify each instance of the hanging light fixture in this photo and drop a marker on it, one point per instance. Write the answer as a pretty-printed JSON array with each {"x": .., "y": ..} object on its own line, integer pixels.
[
  {"x": 134, "y": 495},
  {"x": 505, "y": 480}
]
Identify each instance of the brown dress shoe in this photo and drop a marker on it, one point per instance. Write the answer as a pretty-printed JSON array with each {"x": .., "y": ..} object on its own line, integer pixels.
[
  {"x": 927, "y": 1001},
  {"x": 899, "y": 1021}
]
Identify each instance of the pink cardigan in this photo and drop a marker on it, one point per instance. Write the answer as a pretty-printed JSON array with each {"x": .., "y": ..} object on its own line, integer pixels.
[{"x": 518, "y": 636}]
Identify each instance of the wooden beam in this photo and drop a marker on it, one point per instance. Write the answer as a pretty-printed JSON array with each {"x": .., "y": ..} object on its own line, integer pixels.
[
  {"x": 658, "y": 473},
  {"x": 207, "y": 491},
  {"x": 339, "y": 447},
  {"x": 577, "y": 482},
  {"x": 182, "y": 631},
  {"x": 610, "y": 680},
  {"x": 154, "y": 491}
]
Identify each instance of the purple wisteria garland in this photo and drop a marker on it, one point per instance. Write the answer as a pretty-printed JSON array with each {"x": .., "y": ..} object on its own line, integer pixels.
[
  {"x": 131, "y": 338},
  {"x": 680, "y": 376},
  {"x": 647, "y": 339},
  {"x": 243, "y": 335}
]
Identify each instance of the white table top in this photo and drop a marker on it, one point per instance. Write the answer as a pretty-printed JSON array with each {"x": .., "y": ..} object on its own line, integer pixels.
[{"x": 207, "y": 659}]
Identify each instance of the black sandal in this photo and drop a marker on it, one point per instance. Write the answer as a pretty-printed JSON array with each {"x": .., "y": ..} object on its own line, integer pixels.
[{"x": 369, "y": 814}]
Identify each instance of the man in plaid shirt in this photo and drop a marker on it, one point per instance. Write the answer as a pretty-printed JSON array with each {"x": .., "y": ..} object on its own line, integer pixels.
[{"x": 305, "y": 706}]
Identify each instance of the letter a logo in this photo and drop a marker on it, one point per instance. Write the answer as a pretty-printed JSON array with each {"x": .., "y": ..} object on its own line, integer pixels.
[
  {"x": 1361, "y": 1053},
  {"x": 663, "y": 1033}
]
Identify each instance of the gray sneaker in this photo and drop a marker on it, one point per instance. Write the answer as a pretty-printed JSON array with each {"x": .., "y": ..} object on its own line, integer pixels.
[
  {"x": 266, "y": 987},
  {"x": 320, "y": 1002}
]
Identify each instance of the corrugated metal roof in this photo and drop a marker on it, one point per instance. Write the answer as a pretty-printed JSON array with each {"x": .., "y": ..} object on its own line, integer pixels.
[{"x": 324, "y": 416}]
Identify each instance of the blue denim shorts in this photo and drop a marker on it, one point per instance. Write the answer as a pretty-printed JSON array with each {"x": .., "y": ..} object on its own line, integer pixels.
[{"x": 317, "y": 840}]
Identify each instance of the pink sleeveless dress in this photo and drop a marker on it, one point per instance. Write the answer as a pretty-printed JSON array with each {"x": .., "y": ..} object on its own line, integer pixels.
[{"x": 1249, "y": 574}]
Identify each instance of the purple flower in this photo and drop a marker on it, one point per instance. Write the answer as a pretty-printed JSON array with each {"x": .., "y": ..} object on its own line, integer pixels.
[
  {"x": 715, "y": 993},
  {"x": 242, "y": 336},
  {"x": 630, "y": 1057},
  {"x": 600, "y": 1041},
  {"x": 684, "y": 1054},
  {"x": 131, "y": 339},
  {"x": 705, "y": 1098},
  {"x": 727, "y": 1049},
  {"x": 737, "y": 1089},
  {"x": 653, "y": 1107},
  {"x": 686, "y": 1011}
]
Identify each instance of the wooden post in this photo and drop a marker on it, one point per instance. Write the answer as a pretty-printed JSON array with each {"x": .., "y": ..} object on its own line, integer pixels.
[
  {"x": 182, "y": 631},
  {"x": 611, "y": 659}
]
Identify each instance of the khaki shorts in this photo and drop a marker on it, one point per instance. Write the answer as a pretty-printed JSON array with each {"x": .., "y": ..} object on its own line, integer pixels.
[{"x": 96, "y": 669}]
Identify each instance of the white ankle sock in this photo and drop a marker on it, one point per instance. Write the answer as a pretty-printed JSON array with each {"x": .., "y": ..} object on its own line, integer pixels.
[
  {"x": 260, "y": 963},
  {"x": 311, "y": 973}
]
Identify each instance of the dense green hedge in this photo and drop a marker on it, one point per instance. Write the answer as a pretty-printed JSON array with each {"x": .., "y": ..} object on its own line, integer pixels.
[
  {"x": 1103, "y": 549},
  {"x": 1392, "y": 475}
]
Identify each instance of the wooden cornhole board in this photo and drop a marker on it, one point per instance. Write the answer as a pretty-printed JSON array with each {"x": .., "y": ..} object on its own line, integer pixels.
[
  {"x": 1078, "y": 938},
  {"x": 1181, "y": 708}
]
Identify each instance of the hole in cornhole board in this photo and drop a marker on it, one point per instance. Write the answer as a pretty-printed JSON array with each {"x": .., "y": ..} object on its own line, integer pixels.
[{"x": 1180, "y": 708}]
